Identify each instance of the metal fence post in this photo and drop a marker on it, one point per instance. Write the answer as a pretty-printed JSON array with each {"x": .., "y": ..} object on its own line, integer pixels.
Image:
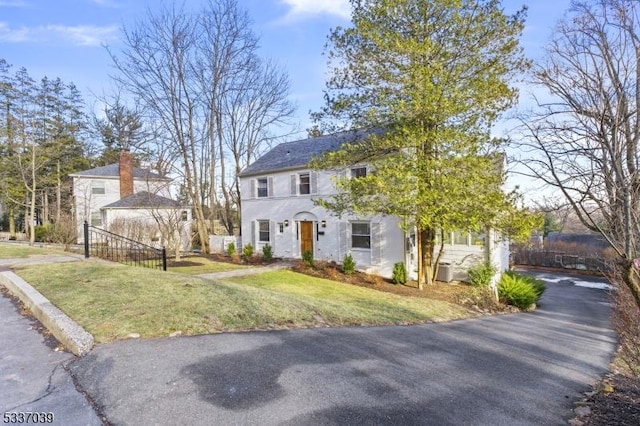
[
  {"x": 164, "y": 259},
  {"x": 86, "y": 239}
]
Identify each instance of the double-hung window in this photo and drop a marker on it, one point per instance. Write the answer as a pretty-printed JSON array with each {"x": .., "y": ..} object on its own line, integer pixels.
[
  {"x": 263, "y": 231},
  {"x": 96, "y": 219},
  {"x": 263, "y": 187},
  {"x": 304, "y": 187},
  {"x": 361, "y": 235}
]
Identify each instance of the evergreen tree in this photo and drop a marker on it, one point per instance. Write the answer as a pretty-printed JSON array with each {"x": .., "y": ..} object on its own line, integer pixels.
[{"x": 431, "y": 76}]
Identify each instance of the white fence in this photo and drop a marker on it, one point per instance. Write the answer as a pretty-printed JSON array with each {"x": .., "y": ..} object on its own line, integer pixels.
[{"x": 219, "y": 243}]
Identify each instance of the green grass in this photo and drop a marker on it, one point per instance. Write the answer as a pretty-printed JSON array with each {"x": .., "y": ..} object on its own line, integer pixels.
[
  {"x": 343, "y": 304},
  {"x": 19, "y": 250},
  {"x": 112, "y": 301},
  {"x": 205, "y": 266}
]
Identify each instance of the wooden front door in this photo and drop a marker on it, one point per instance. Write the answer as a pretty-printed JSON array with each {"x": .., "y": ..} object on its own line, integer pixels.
[{"x": 306, "y": 237}]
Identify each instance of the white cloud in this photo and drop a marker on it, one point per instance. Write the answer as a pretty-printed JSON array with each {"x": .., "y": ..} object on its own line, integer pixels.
[
  {"x": 300, "y": 9},
  {"x": 13, "y": 35},
  {"x": 85, "y": 35},
  {"x": 81, "y": 35}
]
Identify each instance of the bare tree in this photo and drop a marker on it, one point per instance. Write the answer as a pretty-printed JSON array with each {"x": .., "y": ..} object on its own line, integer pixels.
[
  {"x": 198, "y": 74},
  {"x": 584, "y": 140},
  {"x": 157, "y": 67},
  {"x": 245, "y": 95}
]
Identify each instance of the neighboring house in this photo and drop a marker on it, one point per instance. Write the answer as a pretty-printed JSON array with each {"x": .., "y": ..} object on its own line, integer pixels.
[
  {"x": 277, "y": 193},
  {"x": 121, "y": 193}
]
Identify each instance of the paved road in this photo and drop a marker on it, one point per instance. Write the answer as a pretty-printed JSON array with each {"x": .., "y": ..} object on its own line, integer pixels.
[
  {"x": 32, "y": 374},
  {"x": 520, "y": 369}
]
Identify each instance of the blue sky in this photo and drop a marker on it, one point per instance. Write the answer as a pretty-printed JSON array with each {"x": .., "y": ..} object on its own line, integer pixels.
[{"x": 65, "y": 38}]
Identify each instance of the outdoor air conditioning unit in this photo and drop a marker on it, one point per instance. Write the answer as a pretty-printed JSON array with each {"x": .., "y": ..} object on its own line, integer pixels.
[{"x": 445, "y": 273}]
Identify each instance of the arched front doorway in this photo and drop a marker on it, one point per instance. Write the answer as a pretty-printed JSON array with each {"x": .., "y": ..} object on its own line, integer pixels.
[{"x": 305, "y": 225}]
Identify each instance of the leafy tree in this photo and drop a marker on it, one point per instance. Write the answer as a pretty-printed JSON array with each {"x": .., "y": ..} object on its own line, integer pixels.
[
  {"x": 122, "y": 128},
  {"x": 427, "y": 78},
  {"x": 40, "y": 142},
  {"x": 11, "y": 192}
]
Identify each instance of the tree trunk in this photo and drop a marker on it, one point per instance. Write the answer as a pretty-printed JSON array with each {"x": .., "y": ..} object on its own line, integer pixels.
[
  {"x": 228, "y": 217},
  {"x": 426, "y": 246},
  {"x": 32, "y": 207},
  {"x": 632, "y": 280},
  {"x": 12, "y": 223},
  {"x": 58, "y": 195},
  {"x": 45, "y": 207}
]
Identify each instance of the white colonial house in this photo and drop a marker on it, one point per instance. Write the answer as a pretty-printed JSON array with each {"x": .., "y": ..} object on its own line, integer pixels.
[
  {"x": 120, "y": 197},
  {"x": 277, "y": 195}
]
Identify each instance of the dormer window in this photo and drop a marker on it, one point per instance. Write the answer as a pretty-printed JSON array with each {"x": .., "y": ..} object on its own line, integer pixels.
[{"x": 358, "y": 172}]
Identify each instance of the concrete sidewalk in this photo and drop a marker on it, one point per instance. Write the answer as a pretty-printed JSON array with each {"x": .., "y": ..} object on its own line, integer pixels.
[{"x": 246, "y": 271}]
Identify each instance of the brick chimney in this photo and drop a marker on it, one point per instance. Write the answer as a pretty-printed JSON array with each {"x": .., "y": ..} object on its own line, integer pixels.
[{"x": 126, "y": 174}]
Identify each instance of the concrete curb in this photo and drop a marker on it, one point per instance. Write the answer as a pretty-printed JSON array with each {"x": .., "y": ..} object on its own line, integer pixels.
[{"x": 70, "y": 334}]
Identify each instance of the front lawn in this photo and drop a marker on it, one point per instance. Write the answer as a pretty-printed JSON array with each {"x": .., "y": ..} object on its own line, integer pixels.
[
  {"x": 342, "y": 304},
  {"x": 111, "y": 301},
  {"x": 195, "y": 265}
]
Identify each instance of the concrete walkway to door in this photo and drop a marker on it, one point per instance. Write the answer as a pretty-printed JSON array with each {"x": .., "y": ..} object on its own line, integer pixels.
[{"x": 247, "y": 271}]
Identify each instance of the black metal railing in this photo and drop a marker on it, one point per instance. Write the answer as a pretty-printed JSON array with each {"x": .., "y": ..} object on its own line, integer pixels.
[{"x": 116, "y": 248}]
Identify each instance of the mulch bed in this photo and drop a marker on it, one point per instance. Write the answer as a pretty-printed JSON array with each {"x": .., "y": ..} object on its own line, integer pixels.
[
  {"x": 455, "y": 292},
  {"x": 615, "y": 401}
]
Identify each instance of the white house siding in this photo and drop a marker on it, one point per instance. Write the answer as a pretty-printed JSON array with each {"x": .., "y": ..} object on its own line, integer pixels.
[
  {"x": 330, "y": 243},
  {"x": 387, "y": 238},
  {"x": 87, "y": 203},
  {"x": 147, "y": 216}
]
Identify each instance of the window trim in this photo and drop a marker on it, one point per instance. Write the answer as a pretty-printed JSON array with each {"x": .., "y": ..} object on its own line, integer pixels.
[
  {"x": 262, "y": 232},
  {"x": 366, "y": 237},
  {"x": 259, "y": 188},
  {"x": 98, "y": 185},
  {"x": 301, "y": 185},
  {"x": 95, "y": 217}
]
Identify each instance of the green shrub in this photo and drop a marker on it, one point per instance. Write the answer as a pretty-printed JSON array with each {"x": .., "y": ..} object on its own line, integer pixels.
[
  {"x": 247, "y": 251},
  {"x": 515, "y": 290},
  {"x": 267, "y": 252},
  {"x": 231, "y": 249},
  {"x": 348, "y": 264},
  {"x": 42, "y": 232},
  {"x": 399, "y": 273},
  {"x": 538, "y": 285},
  {"x": 307, "y": 257},
  {"x": 481, "y": 275}
]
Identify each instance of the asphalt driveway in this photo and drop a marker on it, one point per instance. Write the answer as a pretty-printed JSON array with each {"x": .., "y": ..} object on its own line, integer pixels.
[{"x": 518, "y": 369}]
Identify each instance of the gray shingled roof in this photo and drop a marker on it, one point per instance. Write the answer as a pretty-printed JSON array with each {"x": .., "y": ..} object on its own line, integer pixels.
[
  {"x": 143, "y": 200},
  {"x": 298, "y": 154},
  {"x": 113, "y": 170}
]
